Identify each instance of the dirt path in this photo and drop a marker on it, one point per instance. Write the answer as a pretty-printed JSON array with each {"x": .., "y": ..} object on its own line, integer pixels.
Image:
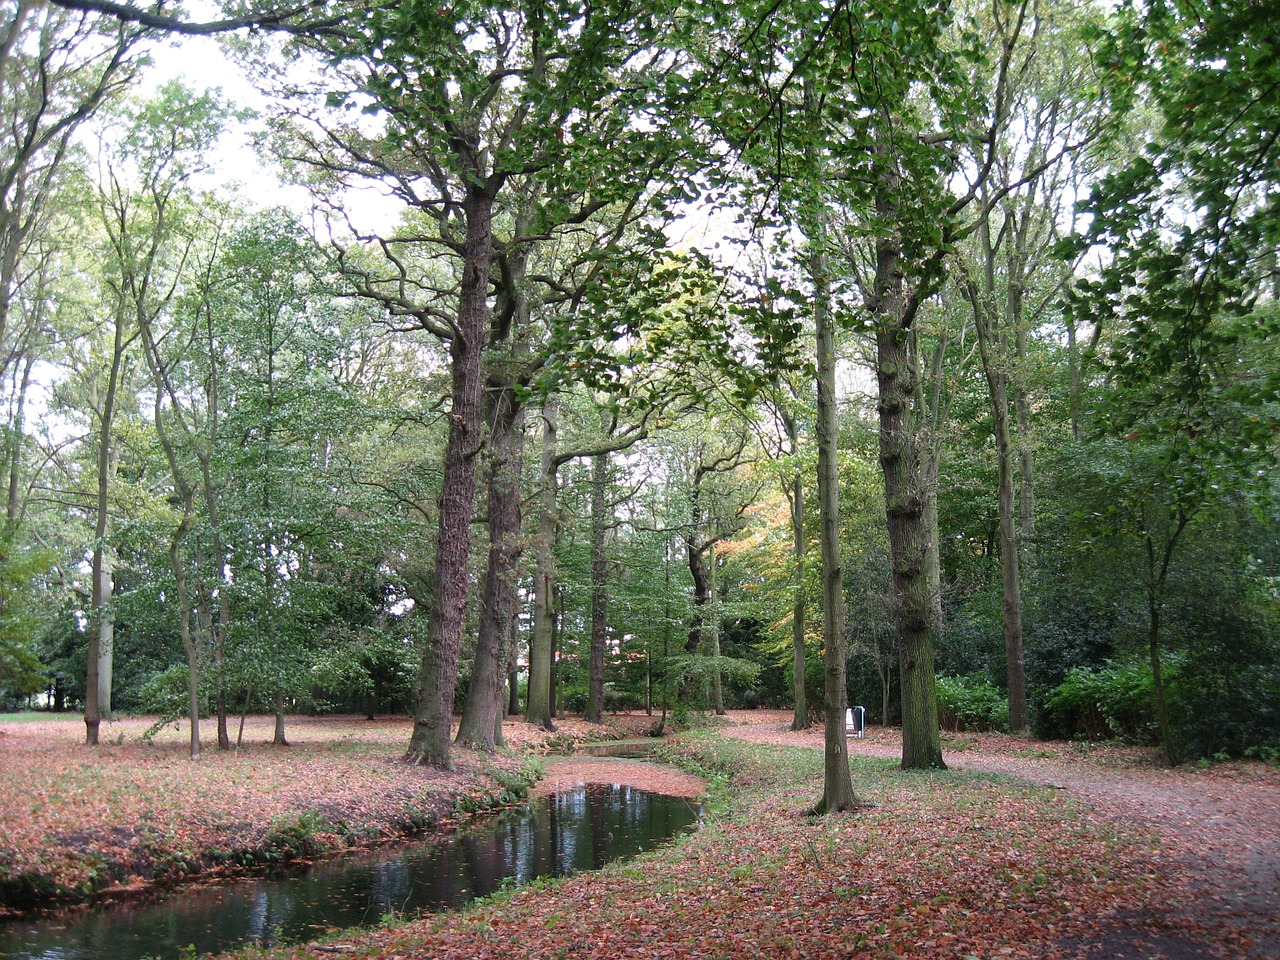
[{"x": 1218, "y": 830}]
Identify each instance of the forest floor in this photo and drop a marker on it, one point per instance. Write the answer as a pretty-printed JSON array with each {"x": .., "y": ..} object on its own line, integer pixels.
[
  {"x": 1089, "y": 853},
  {"x": 1216, "y": 827}
]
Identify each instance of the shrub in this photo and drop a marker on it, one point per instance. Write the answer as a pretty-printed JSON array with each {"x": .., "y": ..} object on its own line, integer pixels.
[
  {"x": 1116, "y": 701},
  {"x": 971, "y": 702},
  {"x": 1228, "y": 708},
  {"x": 166, "y": 694}
]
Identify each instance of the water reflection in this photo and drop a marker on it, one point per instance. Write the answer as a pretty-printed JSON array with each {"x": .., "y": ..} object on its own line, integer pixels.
[{"x": 568, "y": 832}]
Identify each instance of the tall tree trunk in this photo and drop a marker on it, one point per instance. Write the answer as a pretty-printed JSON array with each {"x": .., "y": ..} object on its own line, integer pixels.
[
  {"x": 1010, "y": 575},
  {"x": 701, "y": 590},
  {"x": 1075, "y": 388},
  {"x": 931, "y": 464},
  {"x": 908, "y": 545},
  {"x": 177, "y": 563},
  {"x": 553, "y": 661},
  {"x": 717, "y": 684},
  {"x": 931, "y": 404},
  {"x": 481, "y": 724},
  {"x": 837, "y": 784},
  {"x": 1026, "y": 452},
  {"x": 799, "y": 646},
  {"x": 102, "y": 619},
  {"x": 599, "y": 587},
  {"x": 799, "y": 642},
  {"x": 1158, "y": 563},
  {"x": 904, "y": 487},
  {"x": 513, "y": 677},
  {"x": 538, "y": 703},
  {"x": 433, "y": 715},
  {"x": 997, "y": 358},
  {"x": 106, "y": 635},
  {"x": 886, "y": 688}
]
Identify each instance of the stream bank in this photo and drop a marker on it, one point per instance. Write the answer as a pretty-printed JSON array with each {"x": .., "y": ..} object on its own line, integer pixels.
[{"x": 110, "y": 823}]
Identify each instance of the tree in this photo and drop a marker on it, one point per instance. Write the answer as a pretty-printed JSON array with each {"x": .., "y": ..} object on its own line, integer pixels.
[
  {"x": 616, "y": 435},
  {"x": 56, "y": 71},
  {"x": 1191, "y": 222},
  {"x": 837, "y": 789},
  {"x": 151, "y": 224},
  {"x": 143, "y": 173},
  {"x": 481, "y": 724},
  {"x": 474, "y": 107},
  {"x": 288, "y": 408},
  {"x": 1002, "y": 271},
  {"x": 877, "y": 105},
  {"x": 1192, "y": 229}
]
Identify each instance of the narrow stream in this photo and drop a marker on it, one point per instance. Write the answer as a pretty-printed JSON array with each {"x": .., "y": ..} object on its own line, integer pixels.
[{"x": 571, "y": 831}]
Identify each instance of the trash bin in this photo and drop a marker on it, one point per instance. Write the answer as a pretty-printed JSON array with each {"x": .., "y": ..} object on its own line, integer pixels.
[{"x": 855, "y": 722}]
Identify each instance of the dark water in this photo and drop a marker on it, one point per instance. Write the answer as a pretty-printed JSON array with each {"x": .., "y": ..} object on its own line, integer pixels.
[{"x": 571, "y": 831}]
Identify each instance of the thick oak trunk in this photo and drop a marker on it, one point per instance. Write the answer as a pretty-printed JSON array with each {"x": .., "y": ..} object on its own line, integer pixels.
[
  {"x": 481, "y": 724},
  {"x": 908, "y": 548},
  {"x": 439, "y": 669},
  {"x": 902, "y": 461}
]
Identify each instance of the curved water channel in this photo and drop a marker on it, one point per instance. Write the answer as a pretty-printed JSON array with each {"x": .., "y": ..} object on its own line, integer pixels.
[{"x": 567, "y": 832}]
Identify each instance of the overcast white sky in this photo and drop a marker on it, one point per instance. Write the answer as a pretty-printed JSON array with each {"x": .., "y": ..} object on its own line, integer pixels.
[{"x": 200, "y": 63}]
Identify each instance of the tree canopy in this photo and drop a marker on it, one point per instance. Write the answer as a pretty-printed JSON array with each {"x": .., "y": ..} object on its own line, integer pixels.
[{"x": 797, "y": 354}]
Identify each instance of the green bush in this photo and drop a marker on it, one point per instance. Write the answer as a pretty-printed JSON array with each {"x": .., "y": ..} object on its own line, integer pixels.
[
  {"x": 1116, "y": 701},
  {"x": 166, "y": 694},
  {"x": 1228, "y": 708},
  {"x": 971, "y": 702}
]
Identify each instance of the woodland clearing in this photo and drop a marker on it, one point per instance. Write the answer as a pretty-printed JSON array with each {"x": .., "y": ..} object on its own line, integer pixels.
[{"x": 1022, "y": 849}]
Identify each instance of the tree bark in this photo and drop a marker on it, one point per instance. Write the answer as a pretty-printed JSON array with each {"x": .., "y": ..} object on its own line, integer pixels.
[
  {"x": 513, "y": 677},
  {"x": 717, "y": 684},
  {"x": 433, "y": 714},
  {"x": 1010, "y": 574},
  {"x": 901, "y": 461},
  {"x": 553, "y": 661},
  {"x": 278, "y": 737},
  {"x": 837, "y": 784},
  {"x": 799, "y": 645},
  {"x": 995, "y": 331},
  {"x": 701, "y": 589},
  {"x": 481, "y": 724},
  {"x": 599, "y": 588},
  {"x": 1158, "y": 563},
  {"x": 1026, "y": 453},
  {"x": 97, "y": 704},
  {"x": 538, "y": 703}
]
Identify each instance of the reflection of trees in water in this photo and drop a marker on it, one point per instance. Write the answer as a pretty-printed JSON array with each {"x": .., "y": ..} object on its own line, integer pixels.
[{"x": 568, "y": 832}]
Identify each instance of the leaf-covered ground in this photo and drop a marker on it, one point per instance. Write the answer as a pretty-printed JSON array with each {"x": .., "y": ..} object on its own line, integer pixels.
[
  {"x": 1096, "y": 857},
  {"x": 1215, "y": 832},
  {"x": 938, "y": 865}
]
